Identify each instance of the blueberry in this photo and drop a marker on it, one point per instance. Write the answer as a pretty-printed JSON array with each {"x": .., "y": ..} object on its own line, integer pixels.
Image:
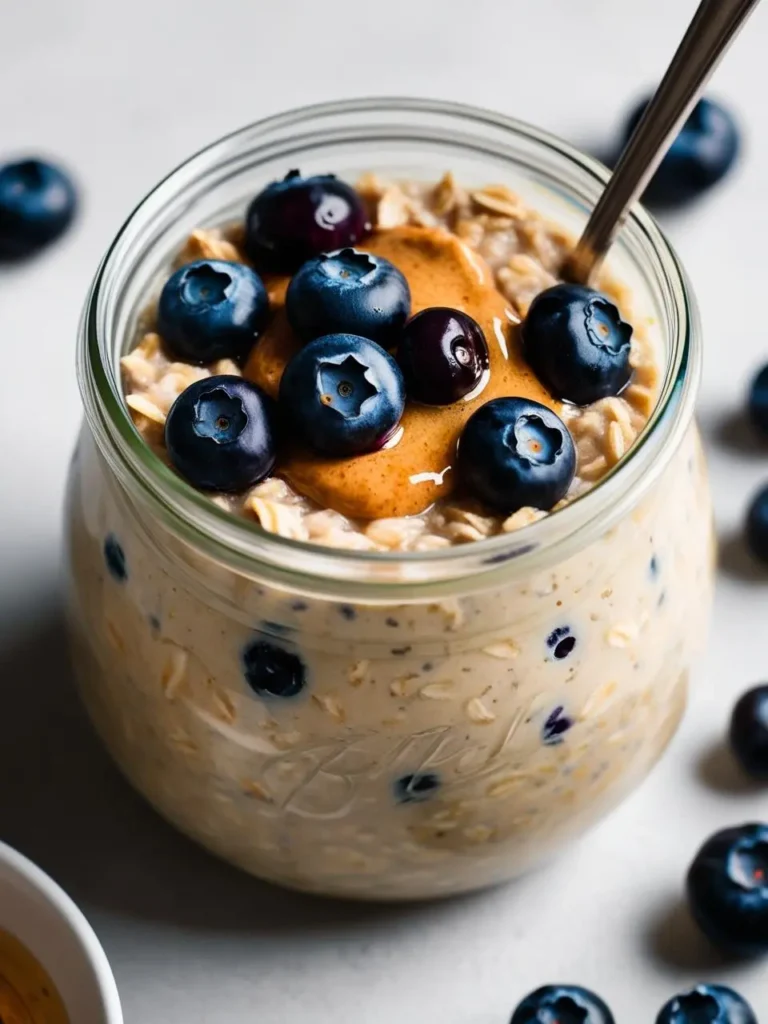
[
  {"x": 707, "y": 1004},
  {"x": 114, "y": 556},
  {"x": 344, "y": 394},
  {"x": 555, "y": 726},
  {"x": 514, "y": 453},
  {"x": 443, "y": 355},
  {"x": 219, "y": 434},
  {"x": 411, "y": 789},
  {"x": 37, "y": 204},
  {"x": 703, "y": 152},
  {"x": 577, "y": 344},
  {"x": 348, "y": 292},
  {"x": 758, "y": 401},
  {"x": 212, "y": 309},
  {"x": 272, "y": 671},
  {"x": 562, "y": 1004},
  {"x": 728, "y": 889},
  {"x": 748, "y": 732},
  {"x": 297, "y": 218},
  {"x": 757, "y": 525}
]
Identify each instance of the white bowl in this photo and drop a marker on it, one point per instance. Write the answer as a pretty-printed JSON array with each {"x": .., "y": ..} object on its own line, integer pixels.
[{"x": 42, "y": 917}]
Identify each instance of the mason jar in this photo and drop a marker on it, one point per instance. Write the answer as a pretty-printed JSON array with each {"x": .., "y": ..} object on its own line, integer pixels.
[{"x": 454, "y": 716}]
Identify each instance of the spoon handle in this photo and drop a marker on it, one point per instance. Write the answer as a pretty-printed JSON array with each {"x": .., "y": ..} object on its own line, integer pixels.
[{"x": 713, "y": 28}]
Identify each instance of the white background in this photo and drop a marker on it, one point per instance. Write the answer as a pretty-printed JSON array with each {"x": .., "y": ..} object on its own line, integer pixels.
[{"x": 122, "y": 93}]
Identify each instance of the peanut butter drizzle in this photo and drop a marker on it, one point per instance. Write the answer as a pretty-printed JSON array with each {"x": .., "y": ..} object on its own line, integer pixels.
[{"x": 408, "y": 477}]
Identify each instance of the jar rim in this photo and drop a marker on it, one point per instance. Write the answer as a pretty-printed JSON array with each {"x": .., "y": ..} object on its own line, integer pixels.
[{"x": 245, "y": 544}]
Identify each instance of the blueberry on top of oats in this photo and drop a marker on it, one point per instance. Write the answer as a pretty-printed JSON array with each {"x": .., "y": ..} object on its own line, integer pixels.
[
  {"x": 348, "y": 292},
  {"x": 577, "y": 343},
  {"x": 37, "y": 204},
  {"x": 219, "y": 434},
  {"x": 514, "y": 453},
  {"x": 443, "y": 355},
  {"x": 345, "y": 394},
  {"x": 212, "y": 309},
  {"x": 292, "y": 220}
]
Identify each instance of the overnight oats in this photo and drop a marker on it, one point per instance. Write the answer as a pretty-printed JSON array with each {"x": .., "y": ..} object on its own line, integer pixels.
[{"x": 389, "y": 548}]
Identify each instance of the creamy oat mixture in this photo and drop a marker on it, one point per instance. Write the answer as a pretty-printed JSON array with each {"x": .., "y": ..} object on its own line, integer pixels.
[
  {"x": 525, "y": 253},
  {"x": 416, "y": 745}
]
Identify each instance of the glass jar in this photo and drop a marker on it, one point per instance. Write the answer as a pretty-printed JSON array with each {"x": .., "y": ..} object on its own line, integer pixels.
[{"x": 444, "y": 737}]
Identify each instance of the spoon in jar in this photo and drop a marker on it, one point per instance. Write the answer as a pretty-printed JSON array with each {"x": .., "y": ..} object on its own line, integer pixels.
[{"x": 714, "y": 26}]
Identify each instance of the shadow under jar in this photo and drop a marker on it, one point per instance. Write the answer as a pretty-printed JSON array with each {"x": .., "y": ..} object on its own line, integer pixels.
[{"x": 460, "y": 715}]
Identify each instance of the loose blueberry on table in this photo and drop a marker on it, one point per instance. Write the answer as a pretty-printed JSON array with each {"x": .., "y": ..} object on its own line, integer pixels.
[
  {"x": 757, "y": 525},
  {"x": 297, "y": 218},
  {"x": 707, "y": 1004},
  {"x": 577, "y": 343},
  {"x": 702, "y": 154},
  {"x": 562, "y": 1004},
  {"x": 219, "y": 434},
  {"x": 344, "y": 394},
  {"x": 514, "y": 453},
  {"x": 758, "y": 401},
  {"x": 212, "y": 309},
  {"x": 748, "y": 733},
  {"x": 37, "y": 205},
  {"x": 348, "y": 292},
  {"x": 728, "y": 889},
  {"x": 443, "y": 355}
]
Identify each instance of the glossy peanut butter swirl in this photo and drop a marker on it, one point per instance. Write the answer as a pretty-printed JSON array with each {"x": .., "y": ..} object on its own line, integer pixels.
[{"x": 413, "y": 473}]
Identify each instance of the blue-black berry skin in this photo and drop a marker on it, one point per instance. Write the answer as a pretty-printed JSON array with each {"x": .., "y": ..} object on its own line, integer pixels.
[
  {"x": 292, "y": 220},
  {"x": 343, "y": 394},
  {"x": 748, "y": 733},
  {"x": 212, "y": 309},
  {"x": 728, "y": 889},
  {"x": 348, "y": 292},
  {"x": 219, "y": 434},
  {"x": 272, "y": 671},
  {"x": 758, "y": 401},
  {"x": 562, "y": 1004},
  {"x": 706, "y": 148},
  {"x": 515, "y": 453},
  {"x": 577, "y": 344},
  {"x": 38, "y": 202},
  {"x": 707, "y": 1004},
  {"x": 757, "y": 526}
]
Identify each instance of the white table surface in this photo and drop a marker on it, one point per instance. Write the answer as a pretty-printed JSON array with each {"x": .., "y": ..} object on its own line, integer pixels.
[{"x": 122, "y": 92}]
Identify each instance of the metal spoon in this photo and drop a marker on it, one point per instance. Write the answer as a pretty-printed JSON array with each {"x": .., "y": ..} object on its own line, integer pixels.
[{"x": 714, "y": 26}]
